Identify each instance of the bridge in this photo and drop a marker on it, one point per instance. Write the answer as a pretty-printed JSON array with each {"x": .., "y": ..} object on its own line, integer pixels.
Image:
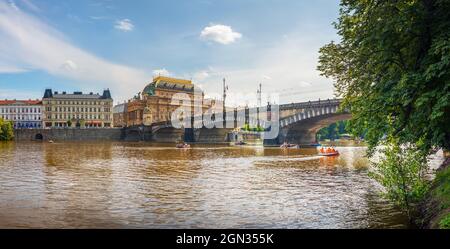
[{"x": 298, "y": 123}]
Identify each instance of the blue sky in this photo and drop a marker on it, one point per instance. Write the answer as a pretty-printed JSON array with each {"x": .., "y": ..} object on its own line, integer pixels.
[{"x": 90, "y": 45}]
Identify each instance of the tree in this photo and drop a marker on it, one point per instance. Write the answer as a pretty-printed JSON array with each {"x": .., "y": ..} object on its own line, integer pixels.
[
  {"x": 401, "y": 171},
  {"x": 6, "y": 130},
  {"x": 392, "y": 68}
]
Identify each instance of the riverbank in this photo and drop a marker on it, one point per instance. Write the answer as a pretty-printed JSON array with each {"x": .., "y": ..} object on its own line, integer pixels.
[{"x": 435, "y": 209}]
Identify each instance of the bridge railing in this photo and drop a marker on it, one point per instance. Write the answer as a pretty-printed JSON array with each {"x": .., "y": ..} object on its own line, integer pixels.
[{"x": 311, "y": 104}]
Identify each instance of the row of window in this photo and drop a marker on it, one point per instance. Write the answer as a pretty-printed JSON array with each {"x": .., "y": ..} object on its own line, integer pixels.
[
  {"x": 21, "y": 110},
  {"x": 60, "y": 102},
  {"x": 27, "y": 125},
  {"x": 77, "y": 109},
  {"x": 82, "y": 116},
  {"x": 87, "y": 125},
  {"x": 17, "y": 117}
]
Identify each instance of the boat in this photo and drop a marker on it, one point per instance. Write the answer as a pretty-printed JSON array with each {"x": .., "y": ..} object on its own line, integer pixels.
[
  {"x": 240, "y": 143},
  {"x": 289, "y": 146},
  {"x": 328, "y": 152},
  {"x": 336, "y": 153},
  {"x": 183, "y": 146}
]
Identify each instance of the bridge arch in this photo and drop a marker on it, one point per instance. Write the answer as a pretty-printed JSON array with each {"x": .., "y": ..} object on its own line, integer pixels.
[{"x": 304, "y": 131}]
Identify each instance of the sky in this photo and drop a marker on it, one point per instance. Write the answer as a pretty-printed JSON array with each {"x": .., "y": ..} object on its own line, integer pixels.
[{"x": 91, "y": 45}]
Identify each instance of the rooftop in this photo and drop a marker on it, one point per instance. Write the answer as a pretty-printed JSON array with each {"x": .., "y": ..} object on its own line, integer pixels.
[
  {"x": 163, "y": 79},
  {"x": 20, "y": 102},
  {"x": 120, "y": 108},
  {"x": 76, "y": 95}
]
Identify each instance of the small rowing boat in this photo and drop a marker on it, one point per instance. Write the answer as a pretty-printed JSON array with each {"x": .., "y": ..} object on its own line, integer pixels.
[
  {"x": 289, "y": 146},
  {"x": 183, "y": 146},
  {"x": 240, "y": 143},
  {"x": 336, "y": 153}
]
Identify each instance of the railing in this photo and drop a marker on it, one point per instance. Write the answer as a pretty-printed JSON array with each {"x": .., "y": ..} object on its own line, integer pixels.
[{"x": 311, "y": 104}]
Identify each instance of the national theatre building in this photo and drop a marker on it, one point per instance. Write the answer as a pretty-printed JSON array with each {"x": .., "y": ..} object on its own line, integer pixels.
[{"x": 154, "y": 104}]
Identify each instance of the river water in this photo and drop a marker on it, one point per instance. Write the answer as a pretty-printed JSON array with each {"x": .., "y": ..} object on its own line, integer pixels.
[{"x": 143, "y": 185}]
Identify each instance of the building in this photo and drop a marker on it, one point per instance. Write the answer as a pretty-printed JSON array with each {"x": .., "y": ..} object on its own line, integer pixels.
[
  {"x": 23, "y": 113},
  {"x": 120, "y": 115},
  {"x": 77, "y": 109},
  {"x": 154, "y": 103}
]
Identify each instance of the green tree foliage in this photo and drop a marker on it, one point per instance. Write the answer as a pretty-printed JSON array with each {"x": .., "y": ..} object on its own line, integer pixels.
[
  {"x": 334, "y": 131},
  {"x": 247, "y": 127},
  {"x": 392, "y": 67},
  {"x": 6, "y": 130},
  {"x": 401, "y": 171}
]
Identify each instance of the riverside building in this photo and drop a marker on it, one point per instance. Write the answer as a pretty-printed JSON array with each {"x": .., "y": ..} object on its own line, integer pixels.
[
  {"x": 77, "y": 109},
  {"x": 120, "y": 115},
  {"x": 25, "y": 114},
  {"x": 154, "y": 103}
]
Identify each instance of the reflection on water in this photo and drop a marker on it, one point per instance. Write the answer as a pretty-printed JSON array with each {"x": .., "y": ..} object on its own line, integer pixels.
[{"x": 140, "y": 185}]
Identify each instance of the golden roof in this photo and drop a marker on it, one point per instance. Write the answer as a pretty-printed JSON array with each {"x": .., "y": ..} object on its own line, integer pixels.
[{"x": 159, "y": 79}]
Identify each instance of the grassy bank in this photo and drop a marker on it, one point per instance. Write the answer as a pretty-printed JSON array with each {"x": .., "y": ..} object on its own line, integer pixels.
[{"x": 435, "y": 208}]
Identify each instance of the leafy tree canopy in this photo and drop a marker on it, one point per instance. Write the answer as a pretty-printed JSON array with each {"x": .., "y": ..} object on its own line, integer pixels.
[
  {"x": 392, "y": 67},
  {"x": 6, "y": 130}
]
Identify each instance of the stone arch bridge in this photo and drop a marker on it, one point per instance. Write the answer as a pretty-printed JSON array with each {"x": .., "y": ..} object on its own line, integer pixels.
[{"x": 298, "y": 123}]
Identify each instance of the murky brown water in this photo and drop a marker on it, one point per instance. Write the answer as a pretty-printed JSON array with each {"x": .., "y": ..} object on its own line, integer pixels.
[{"x": 141, "y": 185}]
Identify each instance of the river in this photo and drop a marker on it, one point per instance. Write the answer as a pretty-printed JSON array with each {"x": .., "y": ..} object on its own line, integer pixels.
[{"x": 144, "y": 185}]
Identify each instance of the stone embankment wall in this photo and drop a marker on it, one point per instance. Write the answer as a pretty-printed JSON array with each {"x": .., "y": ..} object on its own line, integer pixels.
[{"x": 69, "y": 134}]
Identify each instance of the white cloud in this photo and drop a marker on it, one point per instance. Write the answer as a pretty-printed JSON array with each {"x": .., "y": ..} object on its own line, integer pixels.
[
  {"x": 266, "y": 77},
  {"x": 161, "y": 72},
  {"x": 26, "y": 43},
  {"x": 124, "y": 25},
  {"x": 200, "y": 76},
  {"x": 11, "y": 69},
  {"x": 220, "y": 33},
  {"x": 69, "y": 65},
  {"x": 98, "y": 17}
]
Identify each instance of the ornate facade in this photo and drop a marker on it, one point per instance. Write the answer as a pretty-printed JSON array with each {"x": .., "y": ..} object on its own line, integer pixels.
[
  {"x": 154, "y": 104},
  {"x": 77, "y": 109}
]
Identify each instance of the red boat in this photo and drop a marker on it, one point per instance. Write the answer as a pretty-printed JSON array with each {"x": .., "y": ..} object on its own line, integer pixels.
[
  {"x": 336, "y": 153},
  {"x": 330, "y": 151}
]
